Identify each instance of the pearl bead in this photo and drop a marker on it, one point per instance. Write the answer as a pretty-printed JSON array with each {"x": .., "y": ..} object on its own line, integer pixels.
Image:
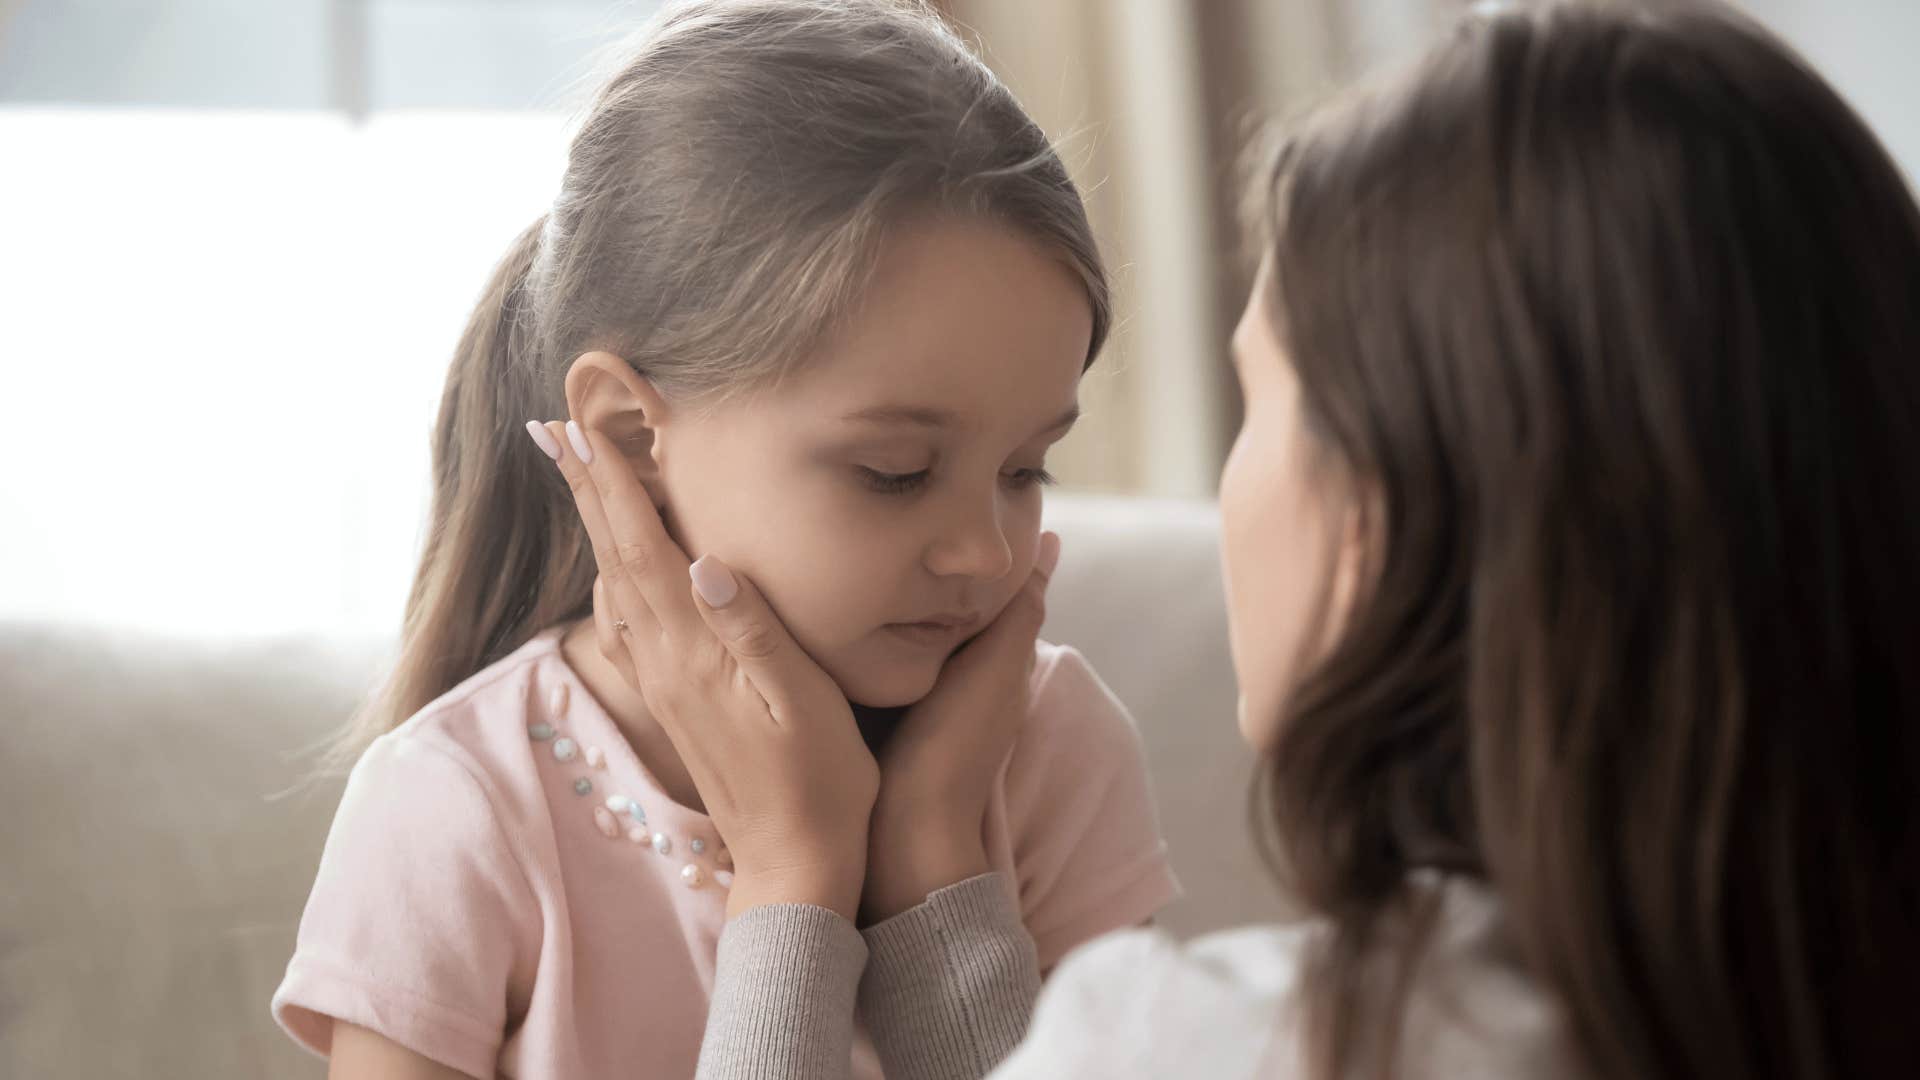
[
  {"x": 557, "y": 702},
  {"x": 698, "y": 845},
  {"x": 663, "y": 843},
  {"x": 618, "y": 803},
  {"x": 723, "y": 878},
  {"x": 540, "y": 732},
  {"x": 638, "y": 835},
  {"x": 595, "y": 758},
  {"x": 565, "y": 749},
  {"x": 693, "y": 876},
  {"x": 604, "y": 818},
  {"x": 583, "y": 786}
]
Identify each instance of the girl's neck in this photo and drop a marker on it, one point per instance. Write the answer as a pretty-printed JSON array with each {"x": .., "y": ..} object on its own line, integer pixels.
[{"x": 629, "y": 711}]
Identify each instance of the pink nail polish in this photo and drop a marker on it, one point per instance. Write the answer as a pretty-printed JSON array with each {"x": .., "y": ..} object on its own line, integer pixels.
[
  {"x": 579, "y": 440},
  {"x": 544, "y": 439},
  {"x": 1049, "y": 552},
  {"x": 713, "y": 581}
]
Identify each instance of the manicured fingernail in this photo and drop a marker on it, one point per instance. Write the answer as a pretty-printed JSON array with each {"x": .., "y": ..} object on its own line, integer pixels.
[
  {"x": 1049, "y": 552},
  {"x": 713, "y": 581},
  {"x": 544, "y": 439},
  {"x": 579, "y": 440}
]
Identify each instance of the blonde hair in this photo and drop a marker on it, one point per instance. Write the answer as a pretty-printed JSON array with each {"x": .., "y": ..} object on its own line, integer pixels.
[{"x": 721, "y": 205}]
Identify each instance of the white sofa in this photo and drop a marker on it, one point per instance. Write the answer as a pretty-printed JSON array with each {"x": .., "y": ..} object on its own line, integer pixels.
[{"x": 159, "y": 839}]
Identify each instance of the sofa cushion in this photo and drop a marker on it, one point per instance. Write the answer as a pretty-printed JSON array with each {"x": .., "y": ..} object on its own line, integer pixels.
[{"x": 162, "y": 832}]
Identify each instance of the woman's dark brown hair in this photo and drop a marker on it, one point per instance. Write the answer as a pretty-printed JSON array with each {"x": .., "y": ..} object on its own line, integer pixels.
[{"x": 1614, "y": 315}]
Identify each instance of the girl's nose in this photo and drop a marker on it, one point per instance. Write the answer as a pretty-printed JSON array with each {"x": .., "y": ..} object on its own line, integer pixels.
[{"x": 974, "y": 546}]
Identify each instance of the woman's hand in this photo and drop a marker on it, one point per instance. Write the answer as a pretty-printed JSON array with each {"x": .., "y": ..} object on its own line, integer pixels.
[
  {"x": 937, "y": 771},
  {"x": 765, "y": 733}
]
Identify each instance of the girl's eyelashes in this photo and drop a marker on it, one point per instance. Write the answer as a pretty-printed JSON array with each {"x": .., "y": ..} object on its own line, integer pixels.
[
  {"x": 907, "y": 483},
  {"x": 892, "y": 483}
]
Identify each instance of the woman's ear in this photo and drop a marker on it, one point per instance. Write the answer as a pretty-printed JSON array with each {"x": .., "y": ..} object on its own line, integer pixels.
[{"x": 607, "y": 395}]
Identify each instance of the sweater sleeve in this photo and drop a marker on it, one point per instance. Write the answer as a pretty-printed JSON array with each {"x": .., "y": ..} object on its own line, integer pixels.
[
  {"x": 951, "y": 983},
  {"x": 783, "y": 996},
  {"x": 948, "y": 989}
]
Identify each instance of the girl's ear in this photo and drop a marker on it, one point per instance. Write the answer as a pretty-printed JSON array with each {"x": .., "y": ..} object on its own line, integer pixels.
[{"x": 605, "y": 393}]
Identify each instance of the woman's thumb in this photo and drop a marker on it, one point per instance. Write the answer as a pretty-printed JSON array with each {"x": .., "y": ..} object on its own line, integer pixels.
[
  {"x": 739, "y": 616},
  {"x": 1048, "y": 558}
]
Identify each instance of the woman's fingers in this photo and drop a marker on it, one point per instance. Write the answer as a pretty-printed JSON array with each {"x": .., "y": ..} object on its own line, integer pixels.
[
  {"x": 613, "y": 645},
  {"x": 645, "y": 553},
  {"x": 754, "y": 636},
  {"x": 640, "y": 564},
  {"x": 624, "y": 603}
]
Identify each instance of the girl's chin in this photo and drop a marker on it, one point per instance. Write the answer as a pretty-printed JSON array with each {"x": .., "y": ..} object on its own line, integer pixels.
[{"x": 887, "y": 686}]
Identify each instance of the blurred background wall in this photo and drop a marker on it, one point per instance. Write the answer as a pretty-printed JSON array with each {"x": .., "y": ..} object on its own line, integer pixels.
[{"x": 240, "y": 237}]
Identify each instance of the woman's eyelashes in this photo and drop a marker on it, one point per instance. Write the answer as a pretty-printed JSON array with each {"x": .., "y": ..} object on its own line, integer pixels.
[
  {"x": 886, "y": 483},
  {"x": 1029, "y": 478}
]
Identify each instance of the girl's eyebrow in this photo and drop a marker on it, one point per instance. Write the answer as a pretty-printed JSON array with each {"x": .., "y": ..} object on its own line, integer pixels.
[
  {"x": 913, "y": 415},
  {"x": 924, "y": 416}
]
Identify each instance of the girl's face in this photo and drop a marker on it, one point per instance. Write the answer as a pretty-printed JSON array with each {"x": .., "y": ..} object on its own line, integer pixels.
[
  {"x": 886, "y": 498},
  {"x": 1281, "y": 536}
]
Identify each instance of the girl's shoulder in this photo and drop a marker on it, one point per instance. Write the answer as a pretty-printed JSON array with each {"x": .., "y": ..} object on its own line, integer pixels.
[
  {"x": 504, "y": 702},
  {"x": 1067, "y": 695},
  {"x": 1082, "y": 830},
  {"x": 1073, "y": 721},
  {"x": 491, "y": 726}
]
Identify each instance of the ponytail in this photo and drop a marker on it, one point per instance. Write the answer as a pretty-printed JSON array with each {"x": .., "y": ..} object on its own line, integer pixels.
[{"x": 505, "y": 555}]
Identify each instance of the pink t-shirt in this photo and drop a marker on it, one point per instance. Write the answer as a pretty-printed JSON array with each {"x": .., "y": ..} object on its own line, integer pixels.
[{"x": 508, "y": 891}]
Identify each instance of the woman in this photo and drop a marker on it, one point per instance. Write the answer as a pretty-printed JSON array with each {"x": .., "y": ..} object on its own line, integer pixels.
[{"x": 1573, "y": 555}]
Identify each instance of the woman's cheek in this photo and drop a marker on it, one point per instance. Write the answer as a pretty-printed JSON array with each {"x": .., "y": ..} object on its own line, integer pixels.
[{"x": 1252, "y": 615}]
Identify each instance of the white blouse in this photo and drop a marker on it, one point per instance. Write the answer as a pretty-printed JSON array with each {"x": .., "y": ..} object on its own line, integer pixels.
[{"x": 1226, "y": 1006}]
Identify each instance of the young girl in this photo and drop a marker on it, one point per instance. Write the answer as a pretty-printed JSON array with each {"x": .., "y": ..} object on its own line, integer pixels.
[{"x": 828, "y": 290}]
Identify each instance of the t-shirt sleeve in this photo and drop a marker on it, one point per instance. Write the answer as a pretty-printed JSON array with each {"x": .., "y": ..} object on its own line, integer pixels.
[
  {"x": 1086, "y": 840},
  {"x": 418, "y": 916}
]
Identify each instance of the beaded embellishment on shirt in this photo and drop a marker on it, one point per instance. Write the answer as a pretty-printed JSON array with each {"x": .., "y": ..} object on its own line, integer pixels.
[{"x": 620, "y": 815}]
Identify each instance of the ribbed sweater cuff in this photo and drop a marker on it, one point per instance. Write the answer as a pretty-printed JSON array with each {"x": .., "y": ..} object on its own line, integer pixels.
[
  {"x": 783, "y": 996},
  {"x": 950, "y": 984}
]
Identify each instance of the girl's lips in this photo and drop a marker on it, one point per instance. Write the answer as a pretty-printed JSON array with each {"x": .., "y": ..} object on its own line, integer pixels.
[{"x": 932, "y": 633}]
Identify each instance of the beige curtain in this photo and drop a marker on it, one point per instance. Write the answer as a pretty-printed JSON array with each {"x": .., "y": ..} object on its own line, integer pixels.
[{"x": 1152, "y": 102}]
